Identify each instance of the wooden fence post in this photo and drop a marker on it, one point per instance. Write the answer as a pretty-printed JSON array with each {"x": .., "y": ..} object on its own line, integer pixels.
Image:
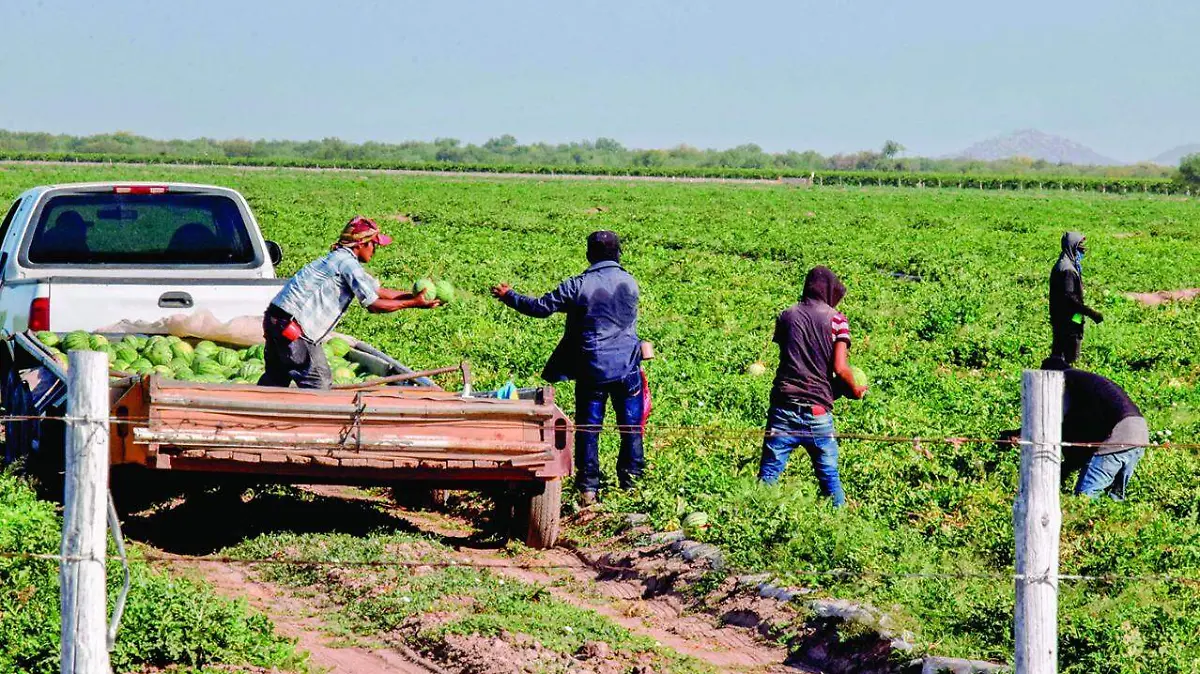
[
  {"x": 85, "y": 501},
  {"x": 1037, "y": 519}
]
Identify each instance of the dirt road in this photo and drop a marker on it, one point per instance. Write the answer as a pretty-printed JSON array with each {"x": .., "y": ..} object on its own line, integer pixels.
[{"x": 642, "y": 604}]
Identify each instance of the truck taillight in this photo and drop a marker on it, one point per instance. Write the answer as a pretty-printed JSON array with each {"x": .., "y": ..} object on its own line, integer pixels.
[
  {"x": 140, "y": 189},
  {"x": 39, "y": 314}
]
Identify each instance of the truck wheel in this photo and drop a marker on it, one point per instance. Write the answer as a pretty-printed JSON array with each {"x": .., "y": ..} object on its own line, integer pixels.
[{"x": 538, "y": 515}]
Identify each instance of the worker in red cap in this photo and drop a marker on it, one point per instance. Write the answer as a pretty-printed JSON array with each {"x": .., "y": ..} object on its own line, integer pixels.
[{"x": 312, "y": 302}]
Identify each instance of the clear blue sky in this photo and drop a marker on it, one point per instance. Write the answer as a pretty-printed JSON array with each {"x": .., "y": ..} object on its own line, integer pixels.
[{"x": 831, "y": 75}]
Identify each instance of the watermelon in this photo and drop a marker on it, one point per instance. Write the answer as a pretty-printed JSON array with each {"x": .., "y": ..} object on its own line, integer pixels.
[
  {"x": 756, "y": 369},
  {"x": 133, "y": 341},
  {"x": 62, "y": 360},
  {"x": 695, "y": 522},
  {"x": 98, "y": 342},
  {"x": 124, "y": 354},
  {"x": 427, "y": 287},
  {"x": 207, "y": 348},
  {"x": 164, "y": 371},
  {"x": 208, "y": 368},
  {"x": 160, "y": 354},
  {"x": 172, "y": 339},
  {"x": 48, "y": 338},
  {"x": 210, "y": 378},
  {"x": 155, "y": 341},
  {"x": 141, "y": 366},
  {"x": 78, "y": 341},
  {"x": 228, "y": 358},
  {"x": 178, "y": 364},
  {"x": 183, "y": 374},
  {"x": 860, "y": 377},
  {"x": 339, "y": 346},
  {"x": 184, "y": 350},
  {"x": 343, "y": 373},
  {"x": 445, "y": 291},
  {"x": 250, "y": 371}
]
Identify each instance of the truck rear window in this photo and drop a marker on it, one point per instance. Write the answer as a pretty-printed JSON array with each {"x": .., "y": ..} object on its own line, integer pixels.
[{"x": 155, "y": 229}]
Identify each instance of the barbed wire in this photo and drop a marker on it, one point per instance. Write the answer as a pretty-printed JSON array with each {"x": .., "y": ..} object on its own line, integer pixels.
[
  {"x": 600, "y": 566},
  {"x": 732, "y": 432}
]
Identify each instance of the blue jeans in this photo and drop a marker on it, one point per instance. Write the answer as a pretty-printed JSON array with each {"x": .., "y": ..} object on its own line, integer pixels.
[
  {"x": 590, "y": 400},
  {"x": 788, "y": 428},
  {"x": 1108, "y": 473}
]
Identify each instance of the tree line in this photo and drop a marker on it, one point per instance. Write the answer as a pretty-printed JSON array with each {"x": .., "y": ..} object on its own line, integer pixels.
[{"x": 506, "y": 150}]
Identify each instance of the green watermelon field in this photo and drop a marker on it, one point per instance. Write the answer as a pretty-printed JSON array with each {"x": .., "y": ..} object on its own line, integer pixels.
[{"x": 947, "y": 305}]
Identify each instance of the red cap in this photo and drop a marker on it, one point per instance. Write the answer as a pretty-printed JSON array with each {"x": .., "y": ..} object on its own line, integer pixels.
[{"x": 362, "y": 230}]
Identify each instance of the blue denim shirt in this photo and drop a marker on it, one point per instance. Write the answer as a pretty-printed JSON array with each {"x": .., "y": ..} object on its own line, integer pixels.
[
  {"x": 600, "y": 342},
  {"x": 320, "y": 293}
]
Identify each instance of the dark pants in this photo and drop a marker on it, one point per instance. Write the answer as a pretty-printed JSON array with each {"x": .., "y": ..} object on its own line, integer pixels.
[
  {"x": 1066, "y": 345},
  {"x": 627, "y": 399},
  {"x": 298, "y": 361}
]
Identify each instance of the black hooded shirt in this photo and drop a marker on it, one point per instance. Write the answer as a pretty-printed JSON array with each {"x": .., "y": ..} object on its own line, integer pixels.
[
  {"x": 1066, "y": 288},
  {"x": 806, "y": 333}
]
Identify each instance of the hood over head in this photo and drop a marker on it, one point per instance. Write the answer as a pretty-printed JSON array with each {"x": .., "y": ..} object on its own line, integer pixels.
[
  {"x": 1072, "y": 243},
  {"x": 822, "y": 284}
]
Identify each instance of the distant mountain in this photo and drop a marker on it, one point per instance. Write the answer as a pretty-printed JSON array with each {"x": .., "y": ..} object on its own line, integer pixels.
[
  {"x": 1035, "y": 145},
  {"x": 1171, "y": 157}
]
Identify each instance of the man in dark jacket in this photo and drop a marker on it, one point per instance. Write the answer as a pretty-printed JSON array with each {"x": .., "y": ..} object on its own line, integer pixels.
[
  {"x": 1067, "y": 309},
  {"x": 599, "y": 349},
  {"x": 1099, "y": 414},
  {"x": 814, "y": 346}
]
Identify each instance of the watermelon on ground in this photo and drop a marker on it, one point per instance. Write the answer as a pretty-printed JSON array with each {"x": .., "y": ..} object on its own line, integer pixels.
[
  {"x": 445, "y": 291},
  {"x": 427, "y": 287},
  {"x": 694, "y": 523}
]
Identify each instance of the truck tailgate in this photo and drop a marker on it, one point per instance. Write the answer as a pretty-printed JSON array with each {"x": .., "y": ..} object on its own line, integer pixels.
[
  {"x": 91, "y": 303},
  {"x": 326, "y": 434}
]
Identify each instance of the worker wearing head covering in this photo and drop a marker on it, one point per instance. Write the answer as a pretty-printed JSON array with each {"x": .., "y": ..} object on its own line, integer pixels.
[
  {"x": 311, "y": 303},
  {"x": 814, "y": 345},
  {"x": 1067, "y": 310},
  {"x": 601, "y": 351}
]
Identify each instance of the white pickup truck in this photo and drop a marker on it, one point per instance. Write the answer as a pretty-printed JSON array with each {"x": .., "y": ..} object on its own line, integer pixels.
[
  {"x": 100, "y": 257},
  {"x": 84, "y": 256}
]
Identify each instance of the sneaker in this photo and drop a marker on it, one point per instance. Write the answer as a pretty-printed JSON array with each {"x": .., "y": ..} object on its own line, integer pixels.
[{"x": 587, "y": 498}]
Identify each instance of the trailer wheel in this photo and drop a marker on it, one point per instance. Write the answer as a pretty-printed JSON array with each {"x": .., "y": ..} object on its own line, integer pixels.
[{"x": 538, "y": 515}]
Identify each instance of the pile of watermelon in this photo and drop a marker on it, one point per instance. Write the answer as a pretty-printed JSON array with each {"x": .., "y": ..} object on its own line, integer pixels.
[{"x": 189, "y": 360}]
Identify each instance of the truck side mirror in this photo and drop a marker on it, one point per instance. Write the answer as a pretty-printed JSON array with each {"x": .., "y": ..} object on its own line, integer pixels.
[{"x": 274, "y": 252}]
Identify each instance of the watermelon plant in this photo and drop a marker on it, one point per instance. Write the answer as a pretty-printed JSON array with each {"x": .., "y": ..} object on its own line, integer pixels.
[{"x": 946, "y": 303}]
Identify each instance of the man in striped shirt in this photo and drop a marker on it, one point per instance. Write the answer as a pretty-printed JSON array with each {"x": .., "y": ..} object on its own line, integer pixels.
[{"x": 814, "y": 346}]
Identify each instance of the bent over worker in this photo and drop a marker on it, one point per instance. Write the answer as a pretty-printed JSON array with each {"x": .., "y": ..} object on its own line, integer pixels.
[
  {"x": 1067, "y": 309},
  {"x": 312, "y": 303},
  {"x": 814, "y": 347},
  {"x": 1100, "y": 415},
  {"x": 599, "y": 349}
]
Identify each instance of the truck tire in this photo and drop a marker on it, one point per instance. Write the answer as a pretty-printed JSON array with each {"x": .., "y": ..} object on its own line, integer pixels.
[{"x": 537, "y": 515}]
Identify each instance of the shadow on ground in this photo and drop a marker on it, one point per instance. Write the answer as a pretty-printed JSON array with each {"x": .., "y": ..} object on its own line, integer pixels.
[{"x": 204, "y": 522}]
